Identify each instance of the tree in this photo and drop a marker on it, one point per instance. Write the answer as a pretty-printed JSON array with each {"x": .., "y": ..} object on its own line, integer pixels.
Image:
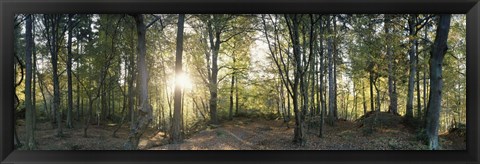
[
  {"x": 331, "y": 83},
  {"x": 28, "y": 84},
  {"x": 176, "y": 135},
  {"x": 69, "y": 71},
  {"x": 436, "y": 59},
  {"x": 414, "y": 25},
  {"x": 52, "y": 26},
  {"x": 145, "y": 109},
  {"x": 392, "y": 89}
]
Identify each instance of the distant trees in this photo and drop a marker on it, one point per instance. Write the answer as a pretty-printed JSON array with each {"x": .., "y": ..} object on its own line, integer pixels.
[{"x": 322, "y": 67}]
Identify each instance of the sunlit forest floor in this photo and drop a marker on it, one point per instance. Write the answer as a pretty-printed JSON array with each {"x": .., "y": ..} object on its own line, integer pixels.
[{"x": 387, "y": 133}]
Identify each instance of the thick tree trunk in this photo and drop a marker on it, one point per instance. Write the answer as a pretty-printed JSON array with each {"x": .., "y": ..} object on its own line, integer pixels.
[
  {"x": 145, "y": 109},
  {"x": 176, "y": 135},
  {"x": 434, "y": 104},
  {"x": 29, "y": 116},
  {"x": 331, "y": 82}
]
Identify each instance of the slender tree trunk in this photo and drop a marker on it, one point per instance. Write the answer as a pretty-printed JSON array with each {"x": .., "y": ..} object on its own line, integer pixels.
[
  {"x": 34, "y": 76},
  {"x": 413, "y": 68},
  {"x": 322, "y": 89},
  {"x": 236, "y": 97},
  {"x": 425, "y": 73},
  {"x": 299, "y": 130},
  {"x": 392, "y": 108},
  {"x": 372, "y": 106},
  {"x": 232, "y": 85},
  {"x": 176, "y": 135},
  {"x": 434, "y": 104},
  {"x": 419, "y": 103},
  {"x": 335, "y": 53},
  {"x": 54, "y": 20},
  {"x": 355, "y": 107},
  {"x": 69, "y": 72},
  {"x": 331, "y": 82},
  {"x": 364, "y": 99},
  {"x": 230, "y": 114}
]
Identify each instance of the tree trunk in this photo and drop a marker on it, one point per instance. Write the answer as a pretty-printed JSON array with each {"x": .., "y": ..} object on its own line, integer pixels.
[
  {"x": 335, "y": 53},
  {"x": 419, "y": 103},
  {"x": 425, "y": 73},
  {"x": 232, "y": 85},
  {"x": 392, "y": 108},
  {"x": 29, "y": 116},
  {"x": 214, "y": 34},
  {"x": 230, "y": 114},
  {"x": 69, "y": 72},
  {"x": 372, "y": 106},
  {"x": 176, "y": 135},
  {"x": 434, "y": 104},
  {"x": 54, "y": 20},
  {"x": 34, "y": 76},
  {"x": 236, "y": 97},
  {"x": 331, "y": 83},
  {"x": 413, "y": 67},
  {"x": 299, "y": 131},
  {"x": 364, "y": 99},
  {"x": 145, "y": 109}
]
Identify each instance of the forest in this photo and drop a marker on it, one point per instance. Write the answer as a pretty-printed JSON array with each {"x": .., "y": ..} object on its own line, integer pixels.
[{"x": 240, "y": 81}]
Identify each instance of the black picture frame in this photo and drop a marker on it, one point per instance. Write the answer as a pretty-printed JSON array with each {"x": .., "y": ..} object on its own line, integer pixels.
[{"x": 10, "y": 7}]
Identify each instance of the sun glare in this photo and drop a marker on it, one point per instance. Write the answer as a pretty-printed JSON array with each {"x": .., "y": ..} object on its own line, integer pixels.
[{"x": 184, "y": 81}]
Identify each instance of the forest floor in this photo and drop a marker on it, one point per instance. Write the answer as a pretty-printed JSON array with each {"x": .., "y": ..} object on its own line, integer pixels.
[{"x": 374, "y": 132}]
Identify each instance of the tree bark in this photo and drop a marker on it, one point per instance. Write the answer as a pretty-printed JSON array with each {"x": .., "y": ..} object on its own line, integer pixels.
[
  {"x": 29, "y": 116},
  {"x": 392, "y": 108},
  {"x": 331, "y": 82},
  {"x": 176, "y": 135},
  {"x": 145, "y": 109},
  {"x": 69, "y": 72},
  {"x": 214, "y": 33},
  {"x": 299, "y": 131},
  {"x": 54, "y": 21},
  {"x": 413, "y": 67},
  {"x": 434, "y": 104}
]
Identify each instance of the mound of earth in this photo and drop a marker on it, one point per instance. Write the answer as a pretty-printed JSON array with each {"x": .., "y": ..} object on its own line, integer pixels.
[{"x": 374, "y": 121}]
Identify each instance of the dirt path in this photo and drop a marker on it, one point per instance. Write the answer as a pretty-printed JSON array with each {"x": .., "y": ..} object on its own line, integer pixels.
[{"x": 240, "y": 134}]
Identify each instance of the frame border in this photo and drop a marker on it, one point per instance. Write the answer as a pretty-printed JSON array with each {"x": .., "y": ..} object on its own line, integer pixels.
[{"x": 10, "y": 7}]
